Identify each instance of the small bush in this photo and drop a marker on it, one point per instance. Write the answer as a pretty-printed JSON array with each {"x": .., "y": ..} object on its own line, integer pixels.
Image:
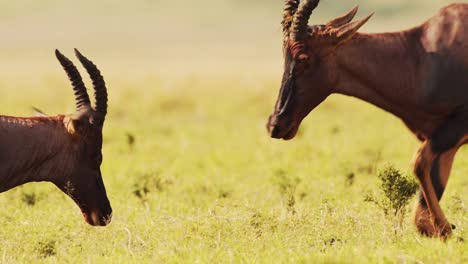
[
  {"x": 223, "y": 192},
  {"x": 46, "y": 248},
  {"x": 147, "y": 183},
  {"x": 29, "y": 198},
  {"x": 262, "y": 223},
  {"x": 287, "y": 187},
  {"x": 130, "y": 139},
  {"x": 350, "y": 177},
  {"x": 396, "y": 190}
]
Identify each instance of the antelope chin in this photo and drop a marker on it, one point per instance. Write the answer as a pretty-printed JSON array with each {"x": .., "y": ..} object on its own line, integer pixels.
[
  {"x": 291, "y": 133},
  {"x": 96, "y": 219},
  {"x": 282, "y": 130}
]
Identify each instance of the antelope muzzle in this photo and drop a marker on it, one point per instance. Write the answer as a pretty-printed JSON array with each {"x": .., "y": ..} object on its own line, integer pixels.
[
  {"x": 282, "y": 123},
  {"x": 100, "y": 215},
  {"x": 281, "y": 127}
]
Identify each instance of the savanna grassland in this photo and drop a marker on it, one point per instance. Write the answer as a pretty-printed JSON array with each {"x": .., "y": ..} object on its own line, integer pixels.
[{"x": 190, "y": 171}]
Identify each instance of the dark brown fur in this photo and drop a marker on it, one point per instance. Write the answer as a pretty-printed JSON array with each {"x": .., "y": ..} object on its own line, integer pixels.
[
  {"x": 64, "y": 150},
  {"x": 420, "y": 75}
]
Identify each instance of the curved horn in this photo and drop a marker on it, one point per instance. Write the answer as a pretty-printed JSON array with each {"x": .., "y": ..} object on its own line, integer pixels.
[
  {"x": 290, "y": 7},
  {"x": 81, "y": 95},
  {"x": 342, "y": 20},
  {"x": 100, "y": 90},
  {"x": 301, "y": 18},
  {"x": 347, "y": 31}
]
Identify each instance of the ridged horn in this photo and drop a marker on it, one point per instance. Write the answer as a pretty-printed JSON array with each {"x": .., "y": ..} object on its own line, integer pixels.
[
  {"x": 290, "y": 7},
  {"x": 99, "y": 85},
  {"x": 301, "y": 19},
  {"x": 81, "y": 95}
]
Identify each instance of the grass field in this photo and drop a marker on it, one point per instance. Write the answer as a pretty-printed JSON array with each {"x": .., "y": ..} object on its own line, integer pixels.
[{"x": 201, "y": 181}]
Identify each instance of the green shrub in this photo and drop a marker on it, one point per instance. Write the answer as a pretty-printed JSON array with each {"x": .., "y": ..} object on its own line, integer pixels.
[
  {"x": 46, "y": 248},
  {"x": 146, "y": 183},
  {"x": 396, "y": 191},
  {"x": 287, "y": 187}
]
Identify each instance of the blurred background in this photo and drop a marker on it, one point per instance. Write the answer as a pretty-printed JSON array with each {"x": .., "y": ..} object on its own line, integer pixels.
[{"x": 170, "y": 39}]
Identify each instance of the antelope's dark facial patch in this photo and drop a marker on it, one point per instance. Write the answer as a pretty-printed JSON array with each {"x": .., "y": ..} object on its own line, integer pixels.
[{"x": 284, "y": 122}]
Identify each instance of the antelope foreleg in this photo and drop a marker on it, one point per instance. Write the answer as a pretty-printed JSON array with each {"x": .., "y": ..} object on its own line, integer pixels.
[
  {"x": 439, "y": 174},
  {"x": 432, "y": 167},
  {"x": 430, "y": 220}
]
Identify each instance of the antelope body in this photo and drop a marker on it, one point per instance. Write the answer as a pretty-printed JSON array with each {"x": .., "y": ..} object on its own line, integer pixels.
[
  {"x": 64, "y": 150},
  {"x": 420, "y": 75}
]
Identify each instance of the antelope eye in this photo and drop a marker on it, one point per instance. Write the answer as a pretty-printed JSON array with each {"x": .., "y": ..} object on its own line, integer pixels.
[{"x": 303, "y": 58}]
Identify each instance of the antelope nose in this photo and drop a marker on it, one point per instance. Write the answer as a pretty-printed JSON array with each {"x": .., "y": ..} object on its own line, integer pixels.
[
  {"x": 273, "y": 126},
  {"x": 99, "y": 219},
  {"x": 106, "y": 214},
  {"x": 107, "y": 219},
  {"x": 270, "y": 125}
]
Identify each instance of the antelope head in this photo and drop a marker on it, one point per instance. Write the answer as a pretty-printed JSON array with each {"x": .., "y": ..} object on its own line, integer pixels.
[
  {"x": 83, "y": 181},
  {"x": 310, "y": 68}
]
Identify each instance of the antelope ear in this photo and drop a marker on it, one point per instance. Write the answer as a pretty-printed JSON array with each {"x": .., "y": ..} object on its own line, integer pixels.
[
  {"x": 342, "y": 20},
  {"x": 73, "y": 124},
  {"x": 346, "y": 31}
]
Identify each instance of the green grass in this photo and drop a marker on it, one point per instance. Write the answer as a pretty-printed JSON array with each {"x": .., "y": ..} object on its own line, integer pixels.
[
  {"x": 218, "y": 190},
  {"x": 192, "y": 84}
]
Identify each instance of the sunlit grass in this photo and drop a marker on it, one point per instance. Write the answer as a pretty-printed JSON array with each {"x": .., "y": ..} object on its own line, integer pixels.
[{"x": 217, "y": 189}]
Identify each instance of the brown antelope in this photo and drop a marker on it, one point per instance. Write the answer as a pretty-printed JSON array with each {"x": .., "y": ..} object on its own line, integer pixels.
[
  {"x": 420, "y": 75},
  {"x": 64, "y": 150}
]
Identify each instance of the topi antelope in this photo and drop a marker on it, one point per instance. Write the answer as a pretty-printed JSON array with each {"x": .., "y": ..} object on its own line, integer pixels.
[
  {"x": 64, "y": 150},
  {"x": 420, "y": 75}
]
